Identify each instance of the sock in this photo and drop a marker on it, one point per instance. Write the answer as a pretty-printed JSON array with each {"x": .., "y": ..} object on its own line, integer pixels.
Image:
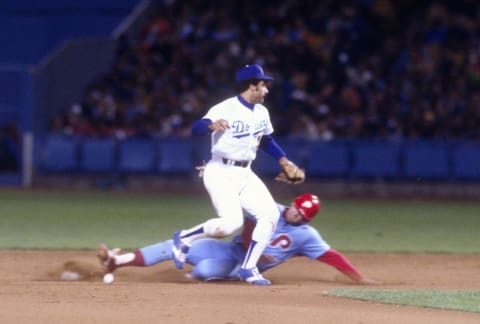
[
  {"x": 254, "y": 252},
  {"x": 190, "y": 235},
  {"x": 260, "y": 238},
  {"x": 215, "y": 227},
  {"x": 130, "y": 259}
]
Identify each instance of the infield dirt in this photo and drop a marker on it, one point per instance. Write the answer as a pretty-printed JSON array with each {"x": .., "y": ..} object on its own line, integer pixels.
[{"x": 32, "y": 291}]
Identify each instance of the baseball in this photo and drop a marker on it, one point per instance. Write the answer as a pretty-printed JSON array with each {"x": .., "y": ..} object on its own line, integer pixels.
[{"x": 108, "y": 278}]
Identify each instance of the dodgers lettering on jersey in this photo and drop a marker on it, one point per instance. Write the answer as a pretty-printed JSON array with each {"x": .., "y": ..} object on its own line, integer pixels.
[
  {"x": 240, "y": 142},
  {"x": 289, "y": 241}
]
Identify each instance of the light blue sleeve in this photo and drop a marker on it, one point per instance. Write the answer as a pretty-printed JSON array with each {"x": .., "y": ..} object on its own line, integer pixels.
[{"x": 313, "y": 245}]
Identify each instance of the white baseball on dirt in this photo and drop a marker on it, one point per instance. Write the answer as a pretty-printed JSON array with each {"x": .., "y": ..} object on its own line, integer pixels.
[{"x": 108, "y": 278}]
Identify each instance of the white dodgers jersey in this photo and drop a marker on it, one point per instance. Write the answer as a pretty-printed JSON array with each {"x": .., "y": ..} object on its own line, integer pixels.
[{"x": 247, "y": 126}]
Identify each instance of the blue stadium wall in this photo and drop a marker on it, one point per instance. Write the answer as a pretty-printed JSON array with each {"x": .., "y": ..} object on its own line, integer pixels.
[
  {"x": 33, "y": 88},
  {"x": 347, "y": 159},
  {"x": 33, "y": 28},
  {"x": 44, "y": 43}
]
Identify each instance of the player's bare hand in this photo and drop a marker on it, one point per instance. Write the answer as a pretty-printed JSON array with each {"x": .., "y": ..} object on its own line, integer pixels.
[
  {"x": 219, "y": 125},
  {"x": 201, "y": 169}
]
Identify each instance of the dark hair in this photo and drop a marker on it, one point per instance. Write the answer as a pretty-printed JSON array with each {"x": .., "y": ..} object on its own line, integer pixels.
[{"x": 244, "y": 85}]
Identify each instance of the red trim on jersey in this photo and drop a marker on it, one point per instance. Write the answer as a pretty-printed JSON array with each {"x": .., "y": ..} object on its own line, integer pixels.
[{"x": 341, "y": 263}]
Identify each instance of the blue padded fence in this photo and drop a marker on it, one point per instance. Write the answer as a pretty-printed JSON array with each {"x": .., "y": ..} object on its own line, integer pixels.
[{"x": 338, "y": 159}]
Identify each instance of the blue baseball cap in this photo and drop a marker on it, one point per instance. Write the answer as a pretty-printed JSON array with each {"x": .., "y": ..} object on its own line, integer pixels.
[{"x": 249, "y": 72}]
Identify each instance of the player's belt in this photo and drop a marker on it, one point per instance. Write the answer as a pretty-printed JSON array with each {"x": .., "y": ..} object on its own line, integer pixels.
[{"x": 242, "y": 164}]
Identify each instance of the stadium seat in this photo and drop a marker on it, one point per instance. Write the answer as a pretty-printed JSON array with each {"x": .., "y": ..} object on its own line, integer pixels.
[
  {"x": 466, "y": 162},
  {"x": 375, "y": 160},
  {"x": 426, "y": 161},
  {"x": 137, "y": 156},
  {"x": 97, "y": 155},
  {"x": 331, "y": 159},
  {"x": 175, "y": 156},
  {"x": 59, "y": 153}
]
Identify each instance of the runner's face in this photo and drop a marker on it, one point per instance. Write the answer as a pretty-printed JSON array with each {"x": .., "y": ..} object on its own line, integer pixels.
[{"x": 293, "y": 215}]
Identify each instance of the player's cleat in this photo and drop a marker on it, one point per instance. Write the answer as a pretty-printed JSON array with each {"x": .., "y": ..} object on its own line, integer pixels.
[
  {"x": 107, "y": 258},
  {"x": 179, "y": 251},
  {"x": 253, "y": 277}
]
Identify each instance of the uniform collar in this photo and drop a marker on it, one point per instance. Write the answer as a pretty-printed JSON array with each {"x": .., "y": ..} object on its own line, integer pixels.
[{"x": 245, "y": 103}]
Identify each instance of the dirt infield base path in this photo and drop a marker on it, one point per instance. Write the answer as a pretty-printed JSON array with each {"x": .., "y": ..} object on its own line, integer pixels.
[{"x": 32, "y": 292}]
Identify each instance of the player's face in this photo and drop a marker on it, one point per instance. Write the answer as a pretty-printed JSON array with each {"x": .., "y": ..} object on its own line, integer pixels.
[
  {"x": 259, "y": 92},
  {"x": 293, "y": 216}
]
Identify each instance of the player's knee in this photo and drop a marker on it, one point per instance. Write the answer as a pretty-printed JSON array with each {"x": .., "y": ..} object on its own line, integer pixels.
[
  {"x": 230, "y": 227},
  {"x": 213, "y": 269},
  {"x": 269, "y": 215},
  {"x": 222, "y": 227},
  {"x": 223, "y": 232}
]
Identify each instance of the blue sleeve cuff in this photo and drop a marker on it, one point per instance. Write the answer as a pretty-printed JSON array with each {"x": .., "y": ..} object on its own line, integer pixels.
[
  {"x": 200, "y": 127},
  {"x": 271, "y": 147}
]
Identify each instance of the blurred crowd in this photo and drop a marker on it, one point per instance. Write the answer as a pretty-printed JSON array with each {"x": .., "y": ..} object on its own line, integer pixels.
[{"x": 365, "y": 68}]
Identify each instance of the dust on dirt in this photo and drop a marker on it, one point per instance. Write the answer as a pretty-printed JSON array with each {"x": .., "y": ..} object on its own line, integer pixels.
[{"x": 33, "y": 291}]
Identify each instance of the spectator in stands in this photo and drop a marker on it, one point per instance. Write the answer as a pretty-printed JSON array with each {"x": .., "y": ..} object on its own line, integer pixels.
[{"x": 376, "y": 68}]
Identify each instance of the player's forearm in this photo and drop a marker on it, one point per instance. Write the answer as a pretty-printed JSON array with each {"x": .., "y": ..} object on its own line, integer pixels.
[
  {"x": 200, "y": 127},
  {"x": 341, "y": 263},
  {"x": 270, "y": 146}
]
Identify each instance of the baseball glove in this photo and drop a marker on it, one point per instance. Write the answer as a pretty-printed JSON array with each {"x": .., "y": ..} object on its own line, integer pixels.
[{"x": 291, "y": 173}]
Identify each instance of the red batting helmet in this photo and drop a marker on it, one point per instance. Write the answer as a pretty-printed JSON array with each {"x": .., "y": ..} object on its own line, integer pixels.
[{"x": 308, "y": 205}]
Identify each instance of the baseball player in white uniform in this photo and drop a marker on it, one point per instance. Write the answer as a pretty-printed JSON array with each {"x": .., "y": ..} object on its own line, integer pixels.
[{"x": 238, "y": 126}]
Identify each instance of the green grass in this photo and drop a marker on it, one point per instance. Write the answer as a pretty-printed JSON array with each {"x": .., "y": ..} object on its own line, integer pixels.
[
  {"x": 80, "y": 220},
  {"x": 463, "y": 300},
  {"x": 402, "y": 225}
]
